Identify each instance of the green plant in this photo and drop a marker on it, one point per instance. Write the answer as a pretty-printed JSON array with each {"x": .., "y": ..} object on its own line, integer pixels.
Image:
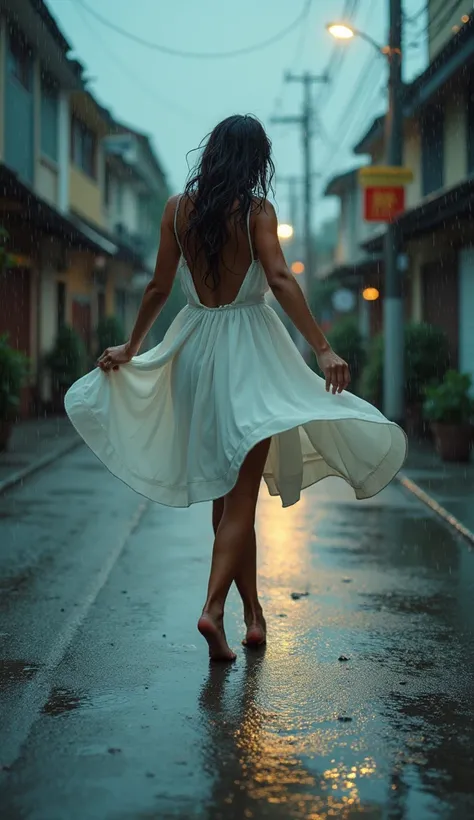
[
  {"x": 67, "y": 359},
  {"x": 426, "y": 361},
  {"x": 450, "y": 402},
  {"x": 110, "y": 332},
  {"x": 346, "y": 340},
  {"x": 13, "y": 371},
  {"x": 6, "y": 260}
]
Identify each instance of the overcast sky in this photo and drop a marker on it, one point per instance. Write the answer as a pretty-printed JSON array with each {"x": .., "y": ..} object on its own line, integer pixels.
[{"x": 177, "y": 101}]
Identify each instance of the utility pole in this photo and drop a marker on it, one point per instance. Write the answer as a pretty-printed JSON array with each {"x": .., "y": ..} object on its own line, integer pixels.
[
  {"x": 305, "y": 120},
  {"x": 292, "y": 183},
  {"x": 393, "y": 319}
]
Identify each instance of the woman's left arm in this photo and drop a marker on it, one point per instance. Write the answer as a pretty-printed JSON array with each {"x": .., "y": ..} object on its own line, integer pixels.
[{"x": 155, "y": 295}]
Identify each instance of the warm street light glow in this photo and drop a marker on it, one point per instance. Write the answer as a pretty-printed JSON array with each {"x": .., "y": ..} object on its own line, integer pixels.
[
  {"x": 297, "y": 267},
  {"x": 370, "y": 294},
  {"x": 285, "y": 231},
  {"x": 340, "y": 31}
]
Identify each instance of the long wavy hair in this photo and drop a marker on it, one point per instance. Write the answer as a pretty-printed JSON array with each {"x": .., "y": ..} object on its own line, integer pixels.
[{"x": 233, "y": 176}]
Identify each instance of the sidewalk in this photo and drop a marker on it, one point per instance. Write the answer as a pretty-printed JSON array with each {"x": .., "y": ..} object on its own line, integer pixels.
[
  {"x": 450, "y": 485},
  {"x": 34, "y": 444}
]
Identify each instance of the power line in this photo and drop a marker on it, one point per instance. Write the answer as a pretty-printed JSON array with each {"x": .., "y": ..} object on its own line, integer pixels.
[
  {"x": 197, "y": 55},
  {"x": 337, "y": 57},
  {"x": 414, "y": 17},
  {"x": 445, "y": 19},
  {"x": 138, "y": 81},
  {"x": 299, "y": 48}
]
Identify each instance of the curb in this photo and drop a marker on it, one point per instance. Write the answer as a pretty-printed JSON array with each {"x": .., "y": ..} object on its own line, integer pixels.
[
  {"x": 441, "y": 511},
  {"x": 39, "y": 464}
]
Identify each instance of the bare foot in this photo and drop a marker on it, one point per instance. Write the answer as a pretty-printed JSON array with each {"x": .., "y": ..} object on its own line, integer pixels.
[
  {"x": 212, "y": 630},
  {"x": 256, "y": 631}
]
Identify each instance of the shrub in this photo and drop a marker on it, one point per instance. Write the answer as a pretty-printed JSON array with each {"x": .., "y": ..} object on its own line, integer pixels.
[
  {"x": 67, "y": 360},
  {"x": 426, "y": 362},
  {"x": 110, "y": 332},
  {"x": 450, "y": 401},
  {"x": 346, "y": 340},
  {"x": 13, "y": 371}
]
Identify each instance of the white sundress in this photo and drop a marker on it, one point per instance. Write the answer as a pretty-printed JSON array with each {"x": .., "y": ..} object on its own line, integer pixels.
[{"x": 176, "y": 422}]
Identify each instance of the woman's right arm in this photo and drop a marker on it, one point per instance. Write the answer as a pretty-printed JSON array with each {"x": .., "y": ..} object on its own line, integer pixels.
[{"x": 288, "y": 293}]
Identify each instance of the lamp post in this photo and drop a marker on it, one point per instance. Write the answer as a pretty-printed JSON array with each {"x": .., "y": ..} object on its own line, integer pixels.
[{"x": 393, "y": 303}]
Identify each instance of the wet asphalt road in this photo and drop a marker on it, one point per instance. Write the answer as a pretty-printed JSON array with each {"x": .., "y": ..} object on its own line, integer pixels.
[{"x": 109, "y": 707}]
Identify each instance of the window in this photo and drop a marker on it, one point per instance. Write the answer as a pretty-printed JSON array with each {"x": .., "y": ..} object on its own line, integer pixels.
[
  {"x": 19, "y": 62},
  {"x": 49, "y": 119},
  {"x": 432, "y": 147},
  {"x": 83, "y": 148},
  {"x": 61, "y": 303}
]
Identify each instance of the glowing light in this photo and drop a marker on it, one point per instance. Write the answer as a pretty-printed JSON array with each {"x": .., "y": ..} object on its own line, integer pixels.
[
  {"x": 465, "y": 18},
  {"x": 340, "y": 31},
  {"x": 285, "y": 231},
  {"x": 456, "y": 29},
  {"x": 297, "y": 267},
  {"x": 370, "y": 294}
]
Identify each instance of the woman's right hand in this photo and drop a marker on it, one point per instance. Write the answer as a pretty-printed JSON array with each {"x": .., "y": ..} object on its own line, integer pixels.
[
  {"x": 335, "y": 370},
  {"x": 113, "y": 357}
]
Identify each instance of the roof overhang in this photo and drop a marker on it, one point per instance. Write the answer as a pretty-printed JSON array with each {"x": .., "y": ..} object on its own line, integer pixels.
[
  {"x": 22, "y": 208},
  {"x": 37, "y": 24}
]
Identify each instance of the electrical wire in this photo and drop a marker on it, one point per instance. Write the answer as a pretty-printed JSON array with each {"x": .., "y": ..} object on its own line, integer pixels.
[
  {"x": 147, "y": 90},
  {"x": 298, "y": 52},
  {"x": 445, "y": 19},
  {"x": 366, "y": 91},
  {"x": 416, "y": 16},
  {"x": 197, "y": 55},
  {"x": 337, "y": 57}
]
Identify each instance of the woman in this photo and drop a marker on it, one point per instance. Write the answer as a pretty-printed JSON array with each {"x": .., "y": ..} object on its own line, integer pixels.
[{"x": 226, "y": 397}]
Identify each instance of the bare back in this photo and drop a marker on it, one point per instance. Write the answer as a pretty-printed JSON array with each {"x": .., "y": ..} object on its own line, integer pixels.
[{"x": 236, "y": 259}]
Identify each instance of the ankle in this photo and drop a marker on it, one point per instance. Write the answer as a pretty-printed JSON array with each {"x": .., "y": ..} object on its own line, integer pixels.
[
  {"x": 253, "y": 612},
  {"x": 214, "y": 610}
]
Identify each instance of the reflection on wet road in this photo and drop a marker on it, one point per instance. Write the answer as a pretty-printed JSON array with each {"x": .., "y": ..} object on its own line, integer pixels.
[{"x": 360, "y": 706}]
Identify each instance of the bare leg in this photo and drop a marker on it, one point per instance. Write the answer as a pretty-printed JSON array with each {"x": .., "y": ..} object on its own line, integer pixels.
[
  {"x": 246, "y": 582},
  {"x": 233, "y": 534}
]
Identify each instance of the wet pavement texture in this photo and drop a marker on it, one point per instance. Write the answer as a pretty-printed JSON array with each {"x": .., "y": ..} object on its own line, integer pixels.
[
  {"x": 360, "y": 706},
  {"x": 451, "y": 484}
]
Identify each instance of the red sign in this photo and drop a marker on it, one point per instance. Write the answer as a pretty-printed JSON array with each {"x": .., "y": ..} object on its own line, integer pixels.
[{"x": 383, "y": 203}]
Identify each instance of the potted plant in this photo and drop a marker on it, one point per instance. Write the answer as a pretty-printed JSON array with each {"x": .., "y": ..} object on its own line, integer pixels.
[
  {"x": 66, "y": 363},
  {"x": 426, "y": 362},
  {"x": 449, "y": 408},
  {"x": 13, "y": 370}
]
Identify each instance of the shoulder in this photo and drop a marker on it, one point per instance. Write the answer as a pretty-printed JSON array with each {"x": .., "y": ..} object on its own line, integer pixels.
[
  {"x": 264, "y": 212},
  {"x": 170, "y": 211}
]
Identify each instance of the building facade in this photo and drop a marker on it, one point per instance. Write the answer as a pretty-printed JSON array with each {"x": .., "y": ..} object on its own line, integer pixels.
[
  {"x": 436, "y": 228},
  {"x": 82, "y": 246}
]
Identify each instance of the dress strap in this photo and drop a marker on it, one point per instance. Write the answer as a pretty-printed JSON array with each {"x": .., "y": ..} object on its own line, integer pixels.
[
  {"x": 176, "y": 224},
  {"x": 249, "y": 234}
]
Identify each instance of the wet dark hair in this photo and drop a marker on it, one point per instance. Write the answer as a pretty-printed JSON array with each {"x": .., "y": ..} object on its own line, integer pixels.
[{"x": 233, "y": 175}]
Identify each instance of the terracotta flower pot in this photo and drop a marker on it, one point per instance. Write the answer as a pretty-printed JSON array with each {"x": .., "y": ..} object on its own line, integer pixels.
[
  {"x": 6, "y": 428},
  {"x": 453, "y": 441}
]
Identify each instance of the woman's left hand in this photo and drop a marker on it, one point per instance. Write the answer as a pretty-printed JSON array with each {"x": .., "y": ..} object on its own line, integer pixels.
[{"x": 113, "y": 357}]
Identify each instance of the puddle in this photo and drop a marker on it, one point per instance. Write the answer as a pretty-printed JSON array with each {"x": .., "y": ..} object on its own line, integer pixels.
[
  {"x": 61, "y": 701},
  {"x": 16, "y": 671}
]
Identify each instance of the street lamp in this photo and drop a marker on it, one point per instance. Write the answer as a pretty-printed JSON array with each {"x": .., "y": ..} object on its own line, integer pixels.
[
  {"x": 392, "y": 304},
  {"x": 285, "y": 231},
  {"x": 342, "y": 31}
]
